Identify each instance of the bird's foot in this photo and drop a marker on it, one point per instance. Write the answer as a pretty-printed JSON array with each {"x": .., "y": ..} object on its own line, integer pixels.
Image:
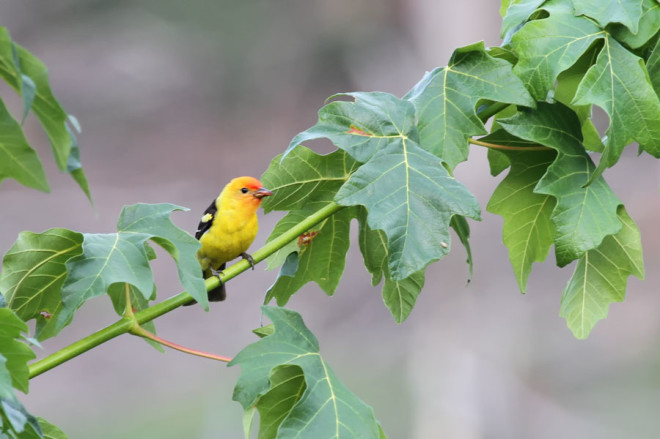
[
  {"x": 217, "y": 273},
  {"x": 249, "y": 258}
]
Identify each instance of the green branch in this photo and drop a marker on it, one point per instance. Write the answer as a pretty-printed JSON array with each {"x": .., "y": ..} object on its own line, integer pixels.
[{"x": 128, "y": 324}]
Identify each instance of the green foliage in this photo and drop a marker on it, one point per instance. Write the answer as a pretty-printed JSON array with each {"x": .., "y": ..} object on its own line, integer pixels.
[
  {"x": 28, "y": 76},
  {"x": 33, "y": 273},
  {"x": 15, "y": 421},
  {"x": 447, "y": 116},
  {"x": 584, "y": 215},
  {"x": 122, "y": 258},
  {"x": 293, "y": 387},
  {"x": 528, "y": 230},
  {"x": 600, "y": 278},
  {"x": 618, "y": 81},
  {"x": 392, "y": 172}
]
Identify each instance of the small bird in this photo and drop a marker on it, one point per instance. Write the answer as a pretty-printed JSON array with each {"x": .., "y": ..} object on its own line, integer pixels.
[{"x": 228, "y": 227}]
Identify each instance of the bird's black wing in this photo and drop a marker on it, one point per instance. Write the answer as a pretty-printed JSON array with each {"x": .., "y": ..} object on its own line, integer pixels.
[{"x": 207, "y": 220}]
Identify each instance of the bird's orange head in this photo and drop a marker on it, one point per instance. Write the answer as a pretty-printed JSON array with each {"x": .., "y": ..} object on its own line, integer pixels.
[{"x": 247, "y": 189}]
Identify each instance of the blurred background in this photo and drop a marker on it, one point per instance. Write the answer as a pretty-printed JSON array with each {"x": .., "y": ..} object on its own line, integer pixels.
[{"x": 175, "y": 98}]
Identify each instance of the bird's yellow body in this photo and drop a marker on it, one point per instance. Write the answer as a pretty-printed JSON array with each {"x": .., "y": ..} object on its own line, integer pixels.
[{"x": 229, "y": 226}]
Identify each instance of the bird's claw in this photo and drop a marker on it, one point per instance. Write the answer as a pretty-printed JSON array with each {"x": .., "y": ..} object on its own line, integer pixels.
[
  {"x": 217, "y": 273},
  {"x": 248, "y": 258}
]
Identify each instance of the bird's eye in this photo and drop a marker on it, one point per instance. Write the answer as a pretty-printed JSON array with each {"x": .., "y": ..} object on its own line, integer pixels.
[{"x": 244, "y": 190}]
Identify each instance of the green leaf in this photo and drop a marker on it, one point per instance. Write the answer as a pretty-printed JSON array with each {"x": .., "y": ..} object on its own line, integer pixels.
[
  {"x": 10, "y": 71},
  {"x": 618, "y": 82},
  {"x": 653, "y": 66},
  {"x": 414, "y": 196},
  {"x": 398, "y": 295},
  {"x": 528, "y": 231},
  {"x": 411, "y": 197},
  {"x": 117, "y": 293},
  {"x": 517, "y": 13},
  {"x": 325, "y": 409},
  {"x": 26, "y": 74},
  {"x": 248, "y": 418},
  {"x": 361, "y": 127},
  {"x": 304, "y": 182},
  {"x": 287, "y": 385},
  {"x": 601, "y": 276},
  {"x": 321, "y": 253},
  {"x": 462, "y": 229},
  {"x": 303, "y": 176},
  {"x": 567, "y": 85},
  {"x": 299, "y": 178},
  {"x": 15, "y": 352},
  {"x": 549, "y": 46},
  {"x": 626, "y": 12},
  {"x": 620, "y": 85},
  {"x": 33, "y": 273},
  {"x": 584, "y": 215},
  {"x": 74, "y": 166},
  {"x": 6, "y": 387},
  {"x": 50, "y": 431},
  {"x": 17, "y": 159},
  {"x": 46, "y": 107},
  {"x": 17, "y": 423},
  {"x": 649, "y": 24},
  {"x": 446, "y": 99},
  {"x": 121, "y": 258}
]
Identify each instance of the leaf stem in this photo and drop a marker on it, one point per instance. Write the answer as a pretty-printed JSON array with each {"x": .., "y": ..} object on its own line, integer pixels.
[
  {"x": 141, "y": 332},
  {"x": 488, "y": 111},
  {"x": 128, "y": 324},
  {"x": 507, "y": 147}
]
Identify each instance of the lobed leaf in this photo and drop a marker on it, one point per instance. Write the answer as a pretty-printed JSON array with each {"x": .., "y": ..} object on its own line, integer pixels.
[
  {"x": 326, "y": 407},
  {"x": 398, "y": 295},
  {"x": 17, "y": 422},
  {"x": 304, "y": 182},
  {"x": 649, "y": 25},
  {"x": 446, "y": 98},
  {"x": 528, "y": 230},
  {"x": 287, "y": 385},
  {"x": 321, "y": 253},
  {"x": 584, "y": 215},
  {"x": 50, "y": 431},
  {"x": 33, "y": 273},
  {"x": 620, "y": 85},
  {"x": 653, "y": 66},
  {"x": 601, "y": 276},
  {"x": 515, "y": 15},
  {"x": 407, "y": 191},
  {"x": 26, "y": 74},
  {"x": 15, "y": 352},
  {"x": 411, "y": 197},
  {"x": 626, "y": 12},
  {"x": 122, "y": 258},
  {"x": 303, "y": 176},
  {"x": 17, "y": 159},
  {"x": 363, "y": 126},
  {"x": 549, "y": 46},
  {"x": 618, "y": 81}
]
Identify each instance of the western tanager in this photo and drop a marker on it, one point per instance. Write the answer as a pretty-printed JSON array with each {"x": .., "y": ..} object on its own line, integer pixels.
[{"x": 228, "y": 227}]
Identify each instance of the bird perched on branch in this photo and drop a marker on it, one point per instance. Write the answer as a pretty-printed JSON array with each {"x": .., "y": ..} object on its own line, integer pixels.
[{"x": 228, "y": 227}]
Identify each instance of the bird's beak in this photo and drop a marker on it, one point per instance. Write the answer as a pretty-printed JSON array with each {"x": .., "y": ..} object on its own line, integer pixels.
[{"x": 262, "y": 192}]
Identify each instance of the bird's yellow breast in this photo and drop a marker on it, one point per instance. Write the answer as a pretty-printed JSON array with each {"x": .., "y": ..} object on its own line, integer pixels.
[{"x": 231, "y": 234}]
